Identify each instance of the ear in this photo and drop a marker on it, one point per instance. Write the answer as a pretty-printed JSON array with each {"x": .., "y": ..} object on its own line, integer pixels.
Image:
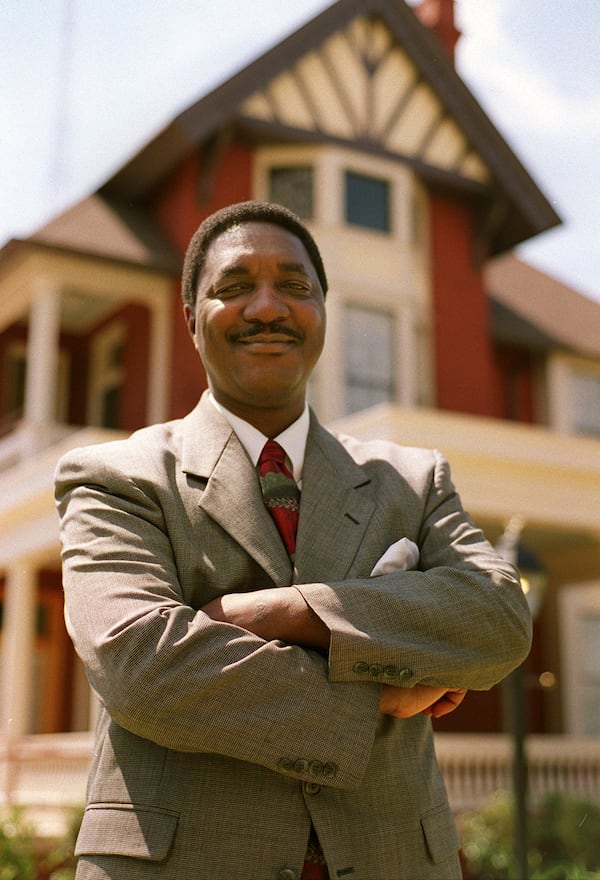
[{"x": 189, "y": 314}]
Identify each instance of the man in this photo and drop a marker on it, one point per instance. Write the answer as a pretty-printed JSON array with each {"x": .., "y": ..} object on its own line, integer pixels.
[{"x": 266, "y": 708}]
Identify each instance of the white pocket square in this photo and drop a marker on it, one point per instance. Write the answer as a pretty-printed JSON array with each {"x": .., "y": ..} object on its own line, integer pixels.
[{"x": 402, "y": 555}]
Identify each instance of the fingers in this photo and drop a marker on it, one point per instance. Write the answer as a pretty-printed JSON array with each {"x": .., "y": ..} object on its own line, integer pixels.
[{"x": 446, "y": 704}]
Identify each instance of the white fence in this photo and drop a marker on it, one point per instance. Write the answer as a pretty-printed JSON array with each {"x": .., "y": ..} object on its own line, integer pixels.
[{"x": 46, "y": 775}]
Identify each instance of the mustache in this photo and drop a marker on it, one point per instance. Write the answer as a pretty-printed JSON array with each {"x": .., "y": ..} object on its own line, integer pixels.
[{"x": 265, "y": 330}]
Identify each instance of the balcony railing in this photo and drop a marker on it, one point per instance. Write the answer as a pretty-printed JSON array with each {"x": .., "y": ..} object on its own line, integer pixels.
[
  {"x": 24, "y": 441},
  {"x": 46, "y": 775}
]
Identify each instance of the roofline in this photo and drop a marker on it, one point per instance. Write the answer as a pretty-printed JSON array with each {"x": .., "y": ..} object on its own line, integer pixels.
[
  {"x": 532, "y": 213},
  {"x": 20, "y": 246}
]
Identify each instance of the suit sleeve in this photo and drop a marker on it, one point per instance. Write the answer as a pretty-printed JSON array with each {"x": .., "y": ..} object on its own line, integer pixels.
[
  {"x": 459, "y": 621},
  {"x": 165, "y": 671}
]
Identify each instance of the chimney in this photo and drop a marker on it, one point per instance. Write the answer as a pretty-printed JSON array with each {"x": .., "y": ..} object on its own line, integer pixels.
[{"x": 439, "y": 16}]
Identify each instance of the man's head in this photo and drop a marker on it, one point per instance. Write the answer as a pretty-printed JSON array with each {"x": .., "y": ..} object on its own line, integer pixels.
[
  {"x": 258, "y": 314},
  {"x": 235, "y": 215}
]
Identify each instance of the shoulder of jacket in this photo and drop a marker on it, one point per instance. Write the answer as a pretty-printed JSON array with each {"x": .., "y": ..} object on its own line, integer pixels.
[
  {"x": 364, "y": 451},
  {"x": 128, "y": 453}
]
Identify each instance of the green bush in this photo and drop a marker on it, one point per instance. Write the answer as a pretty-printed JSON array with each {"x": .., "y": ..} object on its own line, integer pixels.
[
  {"x": 23, "y": 856},
  {"x": 17, "y": 845},
  {"x": 564, "y": 835}
]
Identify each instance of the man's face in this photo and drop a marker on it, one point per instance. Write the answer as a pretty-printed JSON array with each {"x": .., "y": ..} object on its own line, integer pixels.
[{"x": 259, "y": 319}]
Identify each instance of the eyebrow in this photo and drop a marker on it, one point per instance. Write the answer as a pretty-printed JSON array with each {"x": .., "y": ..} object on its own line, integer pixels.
[
  {"x": 293, "y": 267},
  {"x": 240, "y": 269}
]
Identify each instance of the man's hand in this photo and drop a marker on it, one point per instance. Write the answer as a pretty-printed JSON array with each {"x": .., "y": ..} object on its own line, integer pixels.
[
  {"x": 276, "y": 613},
  {"x": 431, "y": 701}
]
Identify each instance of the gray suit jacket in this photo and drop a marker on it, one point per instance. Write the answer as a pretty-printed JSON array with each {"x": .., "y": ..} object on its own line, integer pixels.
[{"x": 215, "y": 749}]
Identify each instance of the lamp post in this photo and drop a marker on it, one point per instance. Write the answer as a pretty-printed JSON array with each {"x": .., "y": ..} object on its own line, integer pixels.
[{"x": 533, "y": 583}]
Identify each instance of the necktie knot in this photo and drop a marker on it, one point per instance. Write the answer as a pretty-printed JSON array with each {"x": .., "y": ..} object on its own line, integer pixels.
[{"x": 272, "y": 453}]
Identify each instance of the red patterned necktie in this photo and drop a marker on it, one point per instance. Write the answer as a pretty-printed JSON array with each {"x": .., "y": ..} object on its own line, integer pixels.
[
  {"x": 280, "y": 493},
  {"x": 282, "y": 499}
]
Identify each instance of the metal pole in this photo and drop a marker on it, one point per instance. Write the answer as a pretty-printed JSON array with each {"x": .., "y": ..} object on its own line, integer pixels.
[
  {"x": 508, "y": 549},
  {"x": 519, "y": 772}
]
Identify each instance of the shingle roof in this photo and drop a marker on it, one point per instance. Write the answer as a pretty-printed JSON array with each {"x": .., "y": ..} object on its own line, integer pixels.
[{"x": 539, "y": 310}]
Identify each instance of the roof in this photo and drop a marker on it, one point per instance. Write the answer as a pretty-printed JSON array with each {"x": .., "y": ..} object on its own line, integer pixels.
[
  {"x": 536, "y": 310},
  {"x": 517, "y": 207},
  {"x": 99, "y": 226}
]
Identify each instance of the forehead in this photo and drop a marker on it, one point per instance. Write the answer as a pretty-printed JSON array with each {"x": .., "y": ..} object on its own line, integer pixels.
[{"x": 252, "y": 240}]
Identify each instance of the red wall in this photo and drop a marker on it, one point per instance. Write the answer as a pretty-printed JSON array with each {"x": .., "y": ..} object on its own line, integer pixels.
[
  {"x": 180, "y": 205},
  {"x": 464, "y": 369},
  {"x": 515, "y": 384},
  {"x": 137, "y": 367}
]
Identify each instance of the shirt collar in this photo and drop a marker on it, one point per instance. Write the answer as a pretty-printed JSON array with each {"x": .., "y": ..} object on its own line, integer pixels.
[{"x": 293, "y": 439}]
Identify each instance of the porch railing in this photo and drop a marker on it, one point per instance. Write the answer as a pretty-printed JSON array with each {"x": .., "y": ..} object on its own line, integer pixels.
[{"x": 46, "y": 775}]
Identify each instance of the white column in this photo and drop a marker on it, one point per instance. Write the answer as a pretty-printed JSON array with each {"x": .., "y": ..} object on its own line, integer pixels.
[
  {"x": 42, "y": 357},
  {"x": 158, "y": 372},
  {"x": 18, "y": 647}
]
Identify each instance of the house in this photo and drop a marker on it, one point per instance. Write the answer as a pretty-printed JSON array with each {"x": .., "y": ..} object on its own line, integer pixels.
[{"x": 437, "y": 335}]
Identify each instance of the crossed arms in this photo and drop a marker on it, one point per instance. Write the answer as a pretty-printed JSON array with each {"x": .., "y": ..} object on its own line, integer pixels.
[{"x": 282, "y": 613}]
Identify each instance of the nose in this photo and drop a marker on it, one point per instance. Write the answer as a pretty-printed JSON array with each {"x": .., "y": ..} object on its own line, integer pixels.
[{"x": 266, "y": 305}]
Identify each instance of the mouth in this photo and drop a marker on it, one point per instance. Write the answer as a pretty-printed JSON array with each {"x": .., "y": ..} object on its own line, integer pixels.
[
  {"x": 270, "y": 344},
  {"x": 268, "y": 338}
]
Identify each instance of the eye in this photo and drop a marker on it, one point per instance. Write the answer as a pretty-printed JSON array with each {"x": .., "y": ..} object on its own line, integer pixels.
[
  {"x": 297, "y": 288},
  {"x": 233, "y": 288}
]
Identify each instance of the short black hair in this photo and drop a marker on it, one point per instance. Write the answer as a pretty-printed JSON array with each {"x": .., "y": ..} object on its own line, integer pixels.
[{"x": 236, "y": 215}]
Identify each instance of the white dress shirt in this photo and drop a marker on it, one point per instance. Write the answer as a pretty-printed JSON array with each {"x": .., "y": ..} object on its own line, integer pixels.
[{"x": 293, "y": 439}]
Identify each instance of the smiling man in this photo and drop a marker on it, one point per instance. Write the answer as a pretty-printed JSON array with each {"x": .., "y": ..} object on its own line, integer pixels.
[
  {"x": 258, "y": 323},
  {"x": 270, "y": 614}
]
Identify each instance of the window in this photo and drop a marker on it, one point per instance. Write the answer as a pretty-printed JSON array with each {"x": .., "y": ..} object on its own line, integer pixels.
[
  {"x": 292, "y": 187},
  {"x": 15, "y": 382},
  {"x": 108, "y": 375},
  {"x": 15, "y": 377},
  {"x": 589, "y": 634},
  {"x": 369, "y": 354},
  {"x": 579, "y": 606},
  {"x": 586, "y": 402},
  {"x": 367, "y": 202}
]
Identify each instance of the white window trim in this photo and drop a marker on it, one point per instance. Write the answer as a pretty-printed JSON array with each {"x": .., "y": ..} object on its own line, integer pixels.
[
  {"x": 102, "y": 377},
  {"x": 561, "y": 371},
  {"x": 576, "y": 602}
]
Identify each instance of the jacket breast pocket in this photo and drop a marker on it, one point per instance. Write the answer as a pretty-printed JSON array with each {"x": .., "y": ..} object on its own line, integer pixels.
[{"x": 141, "y": 832}]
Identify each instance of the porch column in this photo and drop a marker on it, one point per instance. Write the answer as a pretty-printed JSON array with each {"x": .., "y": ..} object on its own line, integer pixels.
[
  {"x": 42, "y": 356},
  {"x": 159, "y": 361},
  {"x": 18, "y": 647}
]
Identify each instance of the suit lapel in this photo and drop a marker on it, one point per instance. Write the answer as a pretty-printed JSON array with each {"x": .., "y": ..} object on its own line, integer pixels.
[
  {"x": 335, "y": 510},
  {"x": 231, "y": 492}
]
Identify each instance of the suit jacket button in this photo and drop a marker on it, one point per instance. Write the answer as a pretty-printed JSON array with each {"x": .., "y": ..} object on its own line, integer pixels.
[
  {"x": 375, "y": 669},
  {"x": 287, "y": 874},
  {"x": 330, "y": 770},
  {"x": 361, "y": 667},
  {"x": 300, "y": 765},
  {"x": 312, "y": 788},
  {"x": 405, "y": 673},
  {"x": 390, "y": 671}
]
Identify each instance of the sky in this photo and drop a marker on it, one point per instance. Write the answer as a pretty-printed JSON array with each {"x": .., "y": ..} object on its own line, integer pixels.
[{"x": 84, "y": 84}]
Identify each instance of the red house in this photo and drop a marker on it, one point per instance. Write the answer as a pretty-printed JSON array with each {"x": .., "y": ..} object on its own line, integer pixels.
[{"x": 359, "y": 122}]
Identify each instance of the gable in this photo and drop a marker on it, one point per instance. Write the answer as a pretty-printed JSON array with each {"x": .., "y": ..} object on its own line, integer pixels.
[
  {"x": 374, "y": 78},
  {"x": 361, "y": 86}
]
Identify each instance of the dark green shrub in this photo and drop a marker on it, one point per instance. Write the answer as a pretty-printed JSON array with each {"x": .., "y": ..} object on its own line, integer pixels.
[
  {"x": 23, "y": 856},
  {"x": 17, "y": 846},
  {"x": 564, "y": 840}
]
